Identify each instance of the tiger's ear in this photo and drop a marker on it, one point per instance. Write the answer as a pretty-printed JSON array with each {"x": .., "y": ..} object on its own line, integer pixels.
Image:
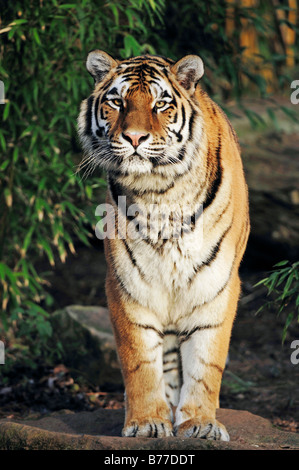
[
  {"x": 188, "y": 71},
  {"x": 99, "y": 63}
]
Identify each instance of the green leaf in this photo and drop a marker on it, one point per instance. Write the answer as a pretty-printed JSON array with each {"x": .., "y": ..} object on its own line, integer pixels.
[
  {"x": 290, "y": 113},
  {"x": 47, "y": 249},
  {"x": 6, "y": 111},
  {"x": 15, "y": 154},
  {"x": 152, "y": 4},
  {"x": 67, "y": 6},
  {"x": 88, "y": 190},
  {"x": 288, "y": 285},
  {"x": 27, "y": 238},
  {"x": 35, "y": 308},
  {"x": 115, "y": 12},
  {"x": 286, "y": 326},
  {"x": 131, "y": 46},
  {"x": 281, "y": 263},
  {"x": 273, "y": 118},
  {"x": 2, "y": 141},
  {"x": 36, "y": 36},
  {"x": 4, "y": 165},
  {"x": 19, "y": 21}
]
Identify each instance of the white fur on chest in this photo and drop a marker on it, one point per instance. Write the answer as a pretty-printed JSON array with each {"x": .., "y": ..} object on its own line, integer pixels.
[{"x": 160, "y": 279}]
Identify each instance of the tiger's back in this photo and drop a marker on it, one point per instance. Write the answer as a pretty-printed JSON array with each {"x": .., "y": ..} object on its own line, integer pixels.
[{"x": 178, "y": 227}]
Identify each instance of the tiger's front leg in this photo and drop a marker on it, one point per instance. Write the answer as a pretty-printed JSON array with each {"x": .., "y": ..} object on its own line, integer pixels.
[
  {"x": 140, "y": 350},
  {"x": 204, "y": 351}
]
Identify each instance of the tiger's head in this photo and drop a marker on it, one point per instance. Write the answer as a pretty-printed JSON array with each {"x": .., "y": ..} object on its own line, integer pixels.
[{"x": 142, "y": 115}]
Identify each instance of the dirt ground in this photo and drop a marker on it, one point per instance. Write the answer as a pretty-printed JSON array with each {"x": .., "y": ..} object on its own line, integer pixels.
[{"x": 259, "y": 377}]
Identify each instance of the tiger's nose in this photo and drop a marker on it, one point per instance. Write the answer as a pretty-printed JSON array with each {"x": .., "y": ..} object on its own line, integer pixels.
[{"x": 135, "y": 138}]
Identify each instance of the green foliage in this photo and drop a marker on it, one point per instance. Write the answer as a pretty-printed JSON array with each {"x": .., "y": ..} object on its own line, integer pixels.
[
  {"x": 283, "y": 285},
  {"x": 44, "y": 205},
  {"x": 236, "y": 384}
]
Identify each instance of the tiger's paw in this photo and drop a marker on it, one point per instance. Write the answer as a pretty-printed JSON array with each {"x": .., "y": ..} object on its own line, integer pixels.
[
  {"x": 204, "y": 428},
  {"x": 148, "y": 427}
]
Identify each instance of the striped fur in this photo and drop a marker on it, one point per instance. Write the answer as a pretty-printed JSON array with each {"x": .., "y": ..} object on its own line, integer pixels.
[{"x": 172, "y": 299}]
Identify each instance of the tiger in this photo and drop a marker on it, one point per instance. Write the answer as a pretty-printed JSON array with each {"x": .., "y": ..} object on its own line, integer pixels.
[{"x": 173, "y": 286}]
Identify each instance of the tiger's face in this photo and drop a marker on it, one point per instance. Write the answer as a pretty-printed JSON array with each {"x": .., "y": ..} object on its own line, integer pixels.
[{"x": 141, "y": 114}]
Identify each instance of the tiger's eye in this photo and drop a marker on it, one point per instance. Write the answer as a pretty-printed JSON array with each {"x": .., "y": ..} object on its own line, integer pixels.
[
  {"x": 117, "y": 102},
  {"x": 160, "y": 104}
]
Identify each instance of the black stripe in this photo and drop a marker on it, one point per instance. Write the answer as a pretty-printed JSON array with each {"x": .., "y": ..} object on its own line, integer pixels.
[
  {"x": 196, "y": 215},
  {"x": 120, "y": 282},
  {"x": 243, "y": 235},
  {"x": 113, "y": 91},
  {"x": 170, "y": 332},
  {"x": 102, "y": 114},
  {"x": 156, "y": 161},
  {"x": 116, "y": 189},
  {"x": 100, "y": 132},
  {"x": 88, "y": 118},
  {"x": 182, "y": 153},
  {"x": 138, "y": 192},
  {"x": 139, "y": 365},
  {"x": 172, "y": 361},
  {"x": 213, "y": 254},
  {"x": 157, "y": 345},
  {"x": 187, "y": 334},
  {"x": 148, "y": 327},
  {"x": 132, "y": 258},
  {"x": 165, "y": 94},
  {"x": 169, "y": 370},
  {"x": 224, "y": 210},
  {"x": 130, "y": 253},
  {"x": 173, "y": 387},
  {"x": 176, "y": 91},
  {"x": 183, "y": 124},
  {"x": 212, "y": 191},
  {"x": 213, "y": 108},
  {"x": 107, "y": 84},
  {"x": 191, "y": 122},
  {"x": 208, "y": 429},
  {"x": 220, "y": 290},
  {"x": 171, "y": 351},
  {"x": 96, "y": 107}
]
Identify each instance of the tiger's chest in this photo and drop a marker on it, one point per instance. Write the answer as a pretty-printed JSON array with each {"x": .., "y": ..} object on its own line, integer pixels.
[
  {"x": 177, "y": 260},
  {"x": 170, "y": 276}
]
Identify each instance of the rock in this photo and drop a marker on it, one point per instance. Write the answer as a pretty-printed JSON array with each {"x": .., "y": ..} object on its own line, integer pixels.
[
  {"x": 272, "y": 174},
  {"x": 270, "y": 157},
  {"x": 101, "y": 430},
  {"x": 88, "y": 344}
]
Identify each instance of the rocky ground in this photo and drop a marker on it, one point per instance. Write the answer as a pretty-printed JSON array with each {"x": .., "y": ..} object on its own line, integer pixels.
[{"x": 100, "y": 430}]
